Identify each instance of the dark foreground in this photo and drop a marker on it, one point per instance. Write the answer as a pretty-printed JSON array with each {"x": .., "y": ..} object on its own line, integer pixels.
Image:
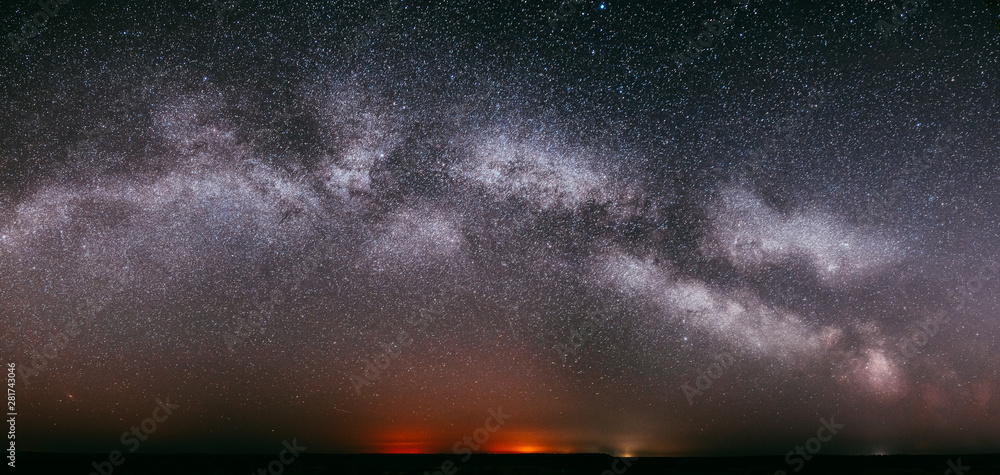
[{"x": 484, "y": 464}]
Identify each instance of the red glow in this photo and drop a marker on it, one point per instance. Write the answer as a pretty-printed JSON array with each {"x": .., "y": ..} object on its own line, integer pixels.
[
  {"x": 524, "y": 447},
  {"x": 403, "y": 442},
  {"x": 403, "y": 448}
]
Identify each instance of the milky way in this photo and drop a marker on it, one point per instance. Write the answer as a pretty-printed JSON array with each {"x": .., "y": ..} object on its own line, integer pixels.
[{"x": 364, "y": 226}]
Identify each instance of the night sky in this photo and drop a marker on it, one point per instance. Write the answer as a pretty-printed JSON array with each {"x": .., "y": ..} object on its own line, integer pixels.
[{"x": 367, "y": 225}]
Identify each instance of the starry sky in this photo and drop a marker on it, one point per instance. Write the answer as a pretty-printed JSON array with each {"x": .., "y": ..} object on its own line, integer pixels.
[{"x": 654, "y": 228}]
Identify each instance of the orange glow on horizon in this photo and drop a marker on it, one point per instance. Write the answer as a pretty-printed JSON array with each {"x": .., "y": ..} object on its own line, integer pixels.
[
  {"x": 403, "y": 448},
  {"x": 403, "y": 442},
  {"x": 524, "y": 448},
  {"x": 414, "y": 440}
]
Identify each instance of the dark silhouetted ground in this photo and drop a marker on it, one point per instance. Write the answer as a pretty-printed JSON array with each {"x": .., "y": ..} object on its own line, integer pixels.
[{"x": 483, "y": 464}]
